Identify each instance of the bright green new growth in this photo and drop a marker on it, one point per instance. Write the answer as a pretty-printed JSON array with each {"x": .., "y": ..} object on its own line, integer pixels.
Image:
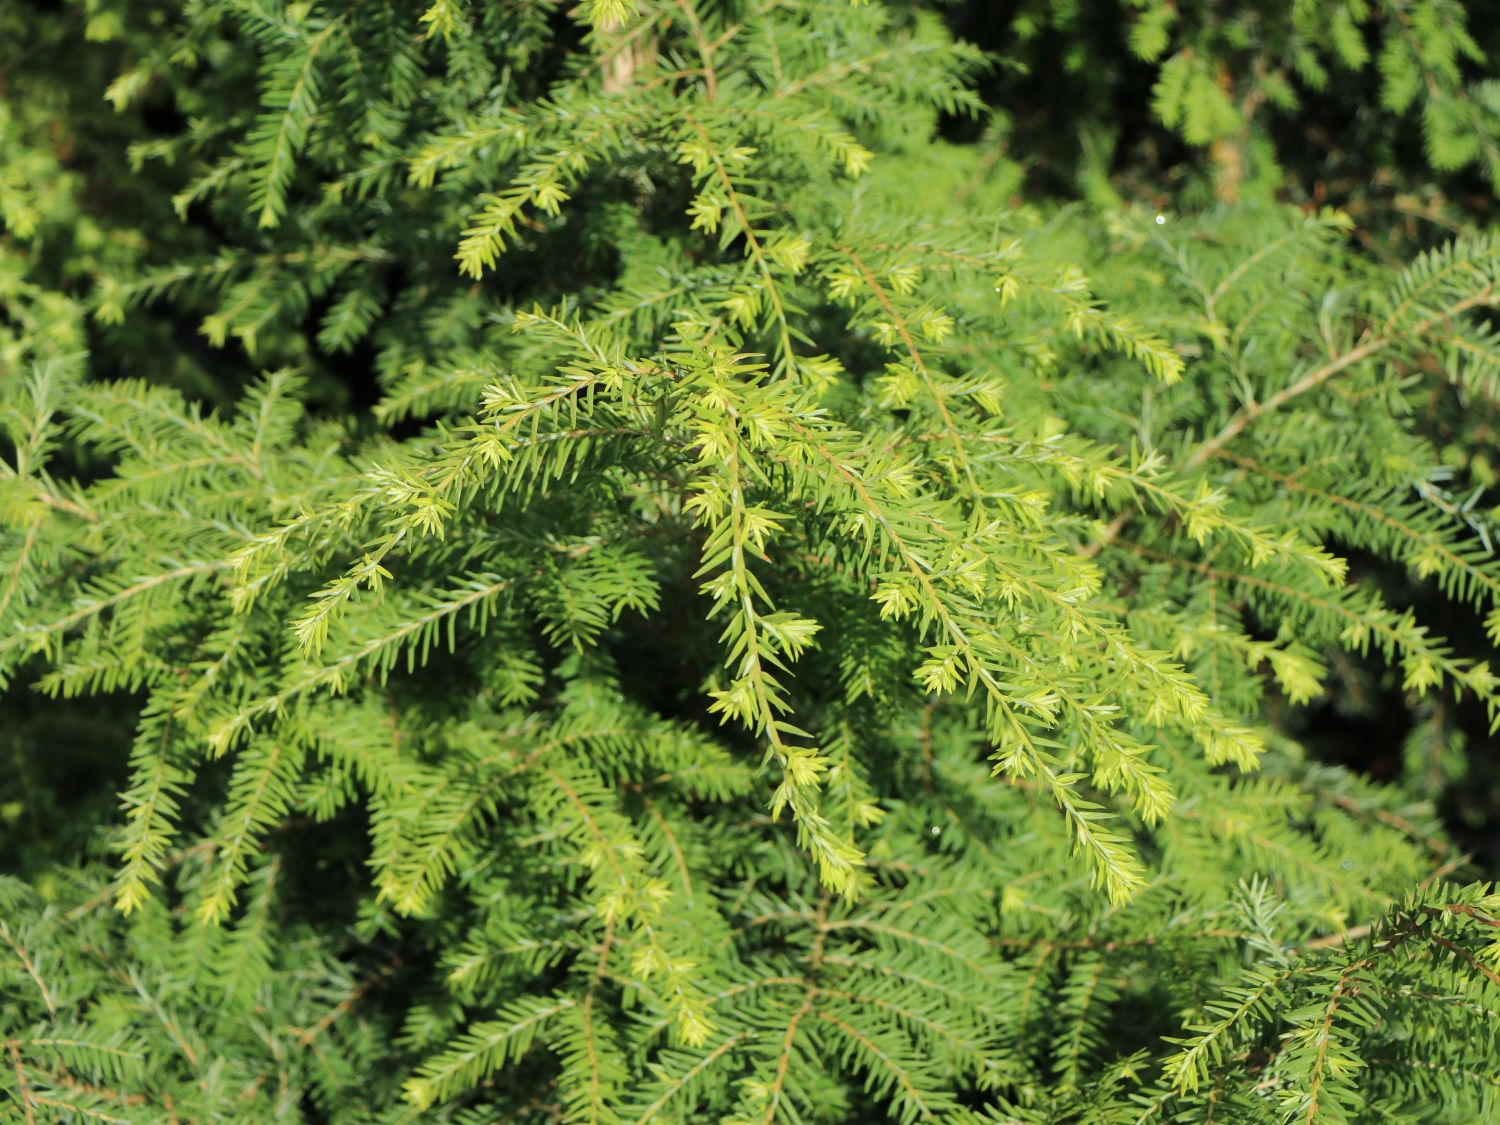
[{"x": 795, "y": 638}]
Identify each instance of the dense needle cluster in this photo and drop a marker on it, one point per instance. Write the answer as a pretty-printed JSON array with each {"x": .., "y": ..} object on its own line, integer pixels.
[{"x": 589, "y": 566}]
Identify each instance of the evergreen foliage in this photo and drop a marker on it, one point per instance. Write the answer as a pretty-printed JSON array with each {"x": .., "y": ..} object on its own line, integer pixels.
[
  {"x": 587, "y": 566},
  {"x": 1382, "y": 105}
]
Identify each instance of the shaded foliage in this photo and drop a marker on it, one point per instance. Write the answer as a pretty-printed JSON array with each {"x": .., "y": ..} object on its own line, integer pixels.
[{"x": 621, "y": 564}]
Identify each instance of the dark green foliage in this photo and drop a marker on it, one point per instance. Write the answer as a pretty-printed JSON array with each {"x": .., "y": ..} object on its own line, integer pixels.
[
  {"x": 594, "y": 569},
  {"x": 1384, "y": 106}
]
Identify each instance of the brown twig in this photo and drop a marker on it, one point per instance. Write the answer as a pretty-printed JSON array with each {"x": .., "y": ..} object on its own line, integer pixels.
[{"x": 22, "y": 1088}]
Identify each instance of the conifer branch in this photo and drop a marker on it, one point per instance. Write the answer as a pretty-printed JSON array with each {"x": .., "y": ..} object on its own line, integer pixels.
[
  {"x": 1370, "y": 346},
  {"x": 23, "y": 1090},
  {"x": 451, "y": 612}
]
